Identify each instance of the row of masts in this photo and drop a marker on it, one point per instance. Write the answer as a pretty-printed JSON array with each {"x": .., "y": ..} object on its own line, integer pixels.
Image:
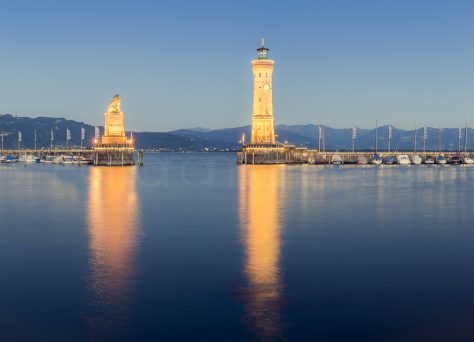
[
  {"x": 322, "y": 142},
  {"x": 52, "y": 136}
]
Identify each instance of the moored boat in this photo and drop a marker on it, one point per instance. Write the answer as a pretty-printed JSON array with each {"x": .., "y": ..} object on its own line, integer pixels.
[
  {"x": 429, "y": 160},
  {"x": 403, "y": 159},
  {"x": 441, "y": 160},
  {"x": 467, "y": 160},
  {"x": 389, "y": 160},
  {"x": 10, "y": 159},
  {"x": 28, "y": 158},
  {"x": 416, "y": 159},
  {"x": 69, "y": 160},
  {"x": 47, "y": 160},
  {"x": 376, "y": 160},
  {"x": 336, "y": 159},
  {"x": 455, "y": 160}
]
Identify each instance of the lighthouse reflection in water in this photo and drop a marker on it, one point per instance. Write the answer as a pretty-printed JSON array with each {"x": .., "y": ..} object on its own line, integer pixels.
[
  {"x": 260, "y": 228},
  {"x": 113, "y": 218}
]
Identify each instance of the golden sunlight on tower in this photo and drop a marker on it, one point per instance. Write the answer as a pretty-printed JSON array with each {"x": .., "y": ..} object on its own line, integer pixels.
[{"x": 262, "y": 116}]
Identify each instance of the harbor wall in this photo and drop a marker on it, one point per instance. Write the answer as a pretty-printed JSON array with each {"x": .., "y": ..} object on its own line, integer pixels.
[
  {"x": 289, "y": 154},
  {"x": 114, "y": 158}
]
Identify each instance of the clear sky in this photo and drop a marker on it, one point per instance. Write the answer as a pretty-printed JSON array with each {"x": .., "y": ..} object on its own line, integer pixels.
[{"x": 181, "y": 64}]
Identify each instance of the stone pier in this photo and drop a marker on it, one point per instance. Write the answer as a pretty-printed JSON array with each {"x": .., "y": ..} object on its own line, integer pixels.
[{"x": 109, "y": 155}]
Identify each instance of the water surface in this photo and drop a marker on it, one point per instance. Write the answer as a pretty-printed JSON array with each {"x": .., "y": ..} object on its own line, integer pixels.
[{"x": 193, "y": 246}]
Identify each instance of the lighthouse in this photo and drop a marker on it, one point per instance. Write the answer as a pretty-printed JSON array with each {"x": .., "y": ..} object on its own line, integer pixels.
[{"x": 263, "y": 132}]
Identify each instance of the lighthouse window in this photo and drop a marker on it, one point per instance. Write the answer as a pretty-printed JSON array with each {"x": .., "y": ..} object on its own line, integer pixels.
[{"x": 260, "y": 74}]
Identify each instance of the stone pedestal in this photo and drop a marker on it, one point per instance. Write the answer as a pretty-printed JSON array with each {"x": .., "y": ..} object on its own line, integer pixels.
[
  {"x": 114, "y": 129},
  {"x": 113, "y": 156}
]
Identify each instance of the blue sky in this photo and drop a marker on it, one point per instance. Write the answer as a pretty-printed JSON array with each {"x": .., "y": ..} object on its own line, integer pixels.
[{"x": 181, "y": 64}]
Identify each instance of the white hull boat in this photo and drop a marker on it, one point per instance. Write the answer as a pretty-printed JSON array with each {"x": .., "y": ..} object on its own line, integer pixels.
[
  {"x": 376, "y": 161},
  {"x": 416, "y": 160},
  {"x": 429, "y": 160},
  {"x": 468, "y": 161},
  {"x": 403, "y": 159},
  {"x": 336, "y": 159},
  {"x": 441, "y": 160},
  {"x": 69, "y": 161},
  {"x": 28, "y": 159},
  {"x": 47, "y": 160}
]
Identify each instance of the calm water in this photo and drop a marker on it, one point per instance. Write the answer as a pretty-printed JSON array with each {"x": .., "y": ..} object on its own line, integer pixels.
[{"x": 191, "y": 246}]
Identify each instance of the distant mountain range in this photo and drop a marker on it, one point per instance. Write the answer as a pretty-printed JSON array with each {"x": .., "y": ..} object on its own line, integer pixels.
[{"x": 202, "y": 139}]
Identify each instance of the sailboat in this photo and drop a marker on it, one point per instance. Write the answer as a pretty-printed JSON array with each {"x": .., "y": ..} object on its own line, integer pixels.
[
  {"x": 336, "y": 159},
  {"x": 28, "y": 159},
  {"x": 429, "y": 160},
  {"x": 415, "y": 159},
  {"x": 403, "y": 159},
  {"x": 455, "y": 160},
  {"x": 376, "y": 159},
  {"x": 441, "y": 159},
  {"x": 389, "y": 160},
  {"x": 47, "y": 160},
  {"x": 10, "y": 159},
  {"x": 467, "y": 160}
]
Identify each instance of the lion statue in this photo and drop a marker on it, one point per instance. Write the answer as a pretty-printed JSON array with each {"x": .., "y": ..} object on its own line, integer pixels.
[{"x": 114, "y": 106}]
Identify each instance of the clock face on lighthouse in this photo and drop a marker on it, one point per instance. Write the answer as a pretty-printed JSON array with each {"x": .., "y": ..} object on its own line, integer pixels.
[{"x": 266, "y": 87}]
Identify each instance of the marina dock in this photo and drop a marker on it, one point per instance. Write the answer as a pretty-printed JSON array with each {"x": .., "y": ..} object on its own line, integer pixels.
[
  {"x": 289, "y": 154},
  {"x": 98, "y": 156}
]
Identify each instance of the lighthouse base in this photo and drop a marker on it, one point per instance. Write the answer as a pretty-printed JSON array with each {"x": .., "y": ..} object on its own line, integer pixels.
[{"x": 271, "y": 154}]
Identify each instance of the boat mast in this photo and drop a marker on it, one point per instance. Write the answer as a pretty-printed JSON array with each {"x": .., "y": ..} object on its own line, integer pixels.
[
  {"x": 319, "y": 138},
  {"x": 376, "y": 135},
  {"x": 354, "y": 135},
  {"x": 389, "y": 137},
  {"x": 415, "y": 140},
  {"x": 425, "y": 135},
  {"x": 439, "y": 139},
  {"x": 465, "y": 137},
  {"x": 324, "y": 139},
  {"x": 52, "y": 138},
  {"x": 459, "y": 140}
]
